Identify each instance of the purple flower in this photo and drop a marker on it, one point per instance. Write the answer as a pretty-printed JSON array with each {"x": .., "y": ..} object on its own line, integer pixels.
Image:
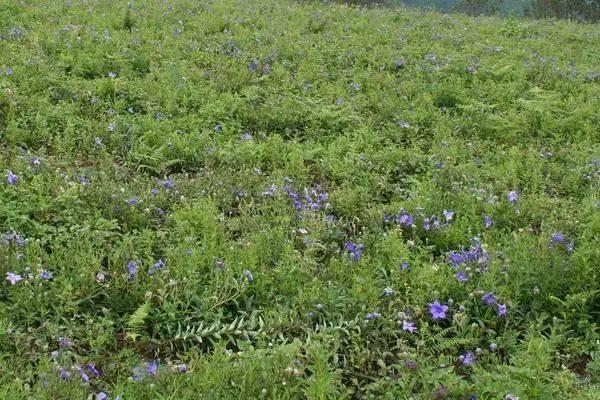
[
  {"x": 155, "y": 192},
  {"x": 182, "y": 368},
  {"x": 355, "y": 250},
  {"x": 112, "y": 75},
  {"x": 487, "y": 221},
  {"x": 152, "y": 368},
  {"x": 136, "y": 373},
  {"x": 408, "y": 326},
  {"x": 218, "y": 128},
  {"x": 92, "y": 368},
  {"x": 404, "y": 266},
  {"x": 437, "y": 310},
  {"x": 512, "y": 196},
  {"x": 246, "y": 137},
  {"x": 374, "y": 315},
  {"x": 493, "y": 347},
  {"x": 158, "y": 265},
  {"x": 502, "y": 310},
  {"x": 489, "y": 298},
  {"x": 101, "y": 396},
  {"x": 558, "y": 237},
  {"x": 461, "y": 276},
  {"x": 448, "y": 215},
  {"x": 355, "y": 86},
  {"x": 405, "y": 219},
  {"x": 13, "y": 278},
  {"x": 132, "y": 270},
  {"x": 45, "y": 275},
  {"x": 511, "y": 397},
  {"x": 270, "y": 192},
  {"x": 84, "y": 377},
  {"x": 168, "y": 184},
  {"x": 399, "y": 64},
  {"x": 112, "y": 126},
  {"x": 387, "y": 292},
  {"x": 132, "y": 201},
  {"x": 248, "y": 275},
  {"x": 467, "y": 359},
  {"x": 12, "y": 178},
  {"x": 64, "y": 342},
  {"x": 65, "y": 375},
  {"x": 35, "y": 161}
]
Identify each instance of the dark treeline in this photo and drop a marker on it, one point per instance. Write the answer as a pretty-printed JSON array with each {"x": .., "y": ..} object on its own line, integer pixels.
[{"x": 577, "y": 10}]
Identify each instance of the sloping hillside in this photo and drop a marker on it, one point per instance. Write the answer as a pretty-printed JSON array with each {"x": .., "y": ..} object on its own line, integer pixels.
[{"x": 273, "y": 199}]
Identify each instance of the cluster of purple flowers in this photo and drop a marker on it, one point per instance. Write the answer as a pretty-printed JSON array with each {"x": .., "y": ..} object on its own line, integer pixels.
[
  {"x": 355, "y": 250},
  {"x": 132, "y": 268},
  {"x": 313, "y": 199},
  {"x": 475, "y": 254},
  {"x": 406, "y": 220},
  {"x": 558, "y": 240},
  {"x": 491, "y": 300}
]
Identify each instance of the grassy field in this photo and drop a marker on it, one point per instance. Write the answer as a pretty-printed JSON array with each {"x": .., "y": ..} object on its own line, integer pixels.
[{"x": 269, "y": 199}]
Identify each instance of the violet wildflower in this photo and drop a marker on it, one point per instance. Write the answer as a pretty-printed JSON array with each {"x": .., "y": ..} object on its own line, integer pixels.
[
  {"x": 132, "y": 201},
  {"x": 400, "y": 63},
  {"x": 182, "y": 368},
  {"x": 404, "y": 266},
  {"x": 112, "y": 75},
  {"x": 168, "y": 184},
  {"x": 101, "y": 396},
  {"x": 502, "y": 310},
  {"x": 511, "y": 397},
  {"x": 487, "y": 221},
  {"x": 112, "y": 126},
  {"x": 65, "y": 375},
  {"x": 512, "y": 196},
  {"x": 248, "y": 275},
  {"x": 448, "y": 215},
  {"x": 152, "y": 368},
  {"x": 92, "y": 368},
  {"x": 246, "y": 136},
  {"x": 355, "y": 250},
  {"x": 461, "y": 276},
  {"x": 13, "y": 278},
  {"x": 426, "y": 224},
  {"x": 405, "y": 219},
  {"x": 12, "y": 178},
  {"x": 218, "y": 128},
  {"x": 132, "y": 270},
  {"x": 270, "y": 192},
  {"x": 467, "y": 359},
  {"x": 64, "y": 342},
  {"x": 155, "y": 192},
  {"x": 35, "y": 162},
  {"x": 388, "y": 291},
  {"x": 489, "y": 298},
  {"x": 371, "y": 316},
  {"x": 84, "y": 377},
  {"x": 557, "y": 238},
  {"x": 437, "y": 310},
  {"x": 493, "y": 347},
  {"x": 158, "y": 265},
  {"x": 136, "y": 374},
  {"x": 45, "y": 275},
  {"x": 355, "y": 86},
  {"x": 408, "y": 326},
  {"x": 219, "y": 264}
]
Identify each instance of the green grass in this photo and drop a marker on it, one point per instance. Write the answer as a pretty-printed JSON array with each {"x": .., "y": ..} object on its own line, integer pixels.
[{"x": 212, "y": 103}]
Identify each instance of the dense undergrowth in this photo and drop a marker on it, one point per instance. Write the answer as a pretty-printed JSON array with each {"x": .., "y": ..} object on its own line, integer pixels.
[{"x": 254, "y": 199}]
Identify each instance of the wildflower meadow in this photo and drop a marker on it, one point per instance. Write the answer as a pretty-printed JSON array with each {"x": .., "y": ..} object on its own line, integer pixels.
[{"x": 244, "y": 199}]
